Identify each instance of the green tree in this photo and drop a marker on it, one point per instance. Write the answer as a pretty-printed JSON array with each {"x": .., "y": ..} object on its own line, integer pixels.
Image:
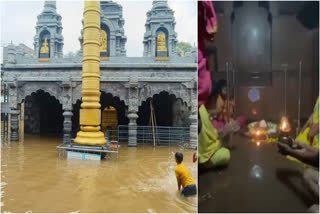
[{"x": 183, "y": 47}]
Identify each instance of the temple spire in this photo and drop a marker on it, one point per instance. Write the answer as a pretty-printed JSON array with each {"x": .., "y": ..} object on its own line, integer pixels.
[{"x": 50, "y": 6}]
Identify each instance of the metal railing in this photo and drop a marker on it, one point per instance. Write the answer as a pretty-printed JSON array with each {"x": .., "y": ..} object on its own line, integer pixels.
[{"x": 161, "y": 135}]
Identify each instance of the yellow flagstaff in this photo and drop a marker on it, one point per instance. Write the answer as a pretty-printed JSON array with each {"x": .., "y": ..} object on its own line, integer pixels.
[{"x": 90, "y": 113}]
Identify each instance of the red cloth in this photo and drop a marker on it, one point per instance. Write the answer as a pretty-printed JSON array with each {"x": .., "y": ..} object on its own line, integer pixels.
[{"x": 207, "y": 25}]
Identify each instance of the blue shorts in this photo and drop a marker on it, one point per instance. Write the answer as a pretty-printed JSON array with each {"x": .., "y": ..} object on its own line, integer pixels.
[{"x": 189, "y": 190}]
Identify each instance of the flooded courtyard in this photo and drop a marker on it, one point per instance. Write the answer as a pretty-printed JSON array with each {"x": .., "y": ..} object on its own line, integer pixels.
[{"x": 141, "y": 179}]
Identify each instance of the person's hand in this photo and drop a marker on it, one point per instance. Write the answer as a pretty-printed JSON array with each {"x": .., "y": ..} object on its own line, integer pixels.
[
  {"x": 231, "y": 126},
  {"x": 195, "y": 157},
  {"x": 298, "y": 150},
  {"x": 284, "y": 148},
  {"x": 314, "y": 130}
]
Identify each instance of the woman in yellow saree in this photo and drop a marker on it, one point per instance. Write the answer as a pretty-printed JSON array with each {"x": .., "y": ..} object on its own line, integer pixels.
[{"x": 310, "y": 132}]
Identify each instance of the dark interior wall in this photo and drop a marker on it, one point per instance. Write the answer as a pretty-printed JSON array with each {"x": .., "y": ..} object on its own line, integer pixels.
[
  {"x": 291, "y": 42},
  {"x": 43, "y": 114},
  {"x": 106, "y": 99}
]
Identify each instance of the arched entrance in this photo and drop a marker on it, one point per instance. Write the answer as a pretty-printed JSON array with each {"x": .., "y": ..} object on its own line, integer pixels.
[
  {"x": 109, "y": 121},
  {"x": 168, "y": 110},
  {"x": 43, "y": 114},
  {"x": 108, "y": 102}
]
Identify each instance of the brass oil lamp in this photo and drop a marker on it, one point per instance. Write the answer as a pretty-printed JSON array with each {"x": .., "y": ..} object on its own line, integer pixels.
[
  {"x": 284, "y": 131},
  {"x": 260, "y": 135}
]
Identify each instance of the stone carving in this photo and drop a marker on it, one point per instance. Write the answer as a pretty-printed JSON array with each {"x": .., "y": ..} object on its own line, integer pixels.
[
  {"x": 111, "y": 16},
  {"x": 133, "y": 99},
  {"x": 13, "y": 94},
  {"x": 76, "y": 93},
  {"x": 132, "y": 79},
  {"x": 53, "y": 88},
  {"x": 117, "y": 89},
  {"x": 177, "y": 89},
  {"x": 67, "y": 96},
  {"x": 160, "y": 16},
  {"x": 49, "y": 20}
]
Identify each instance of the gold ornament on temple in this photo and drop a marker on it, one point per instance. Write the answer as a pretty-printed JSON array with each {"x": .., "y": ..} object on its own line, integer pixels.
[
  {"x": 161, "y": 42},
  {"x": 103, "y": 41},
  {"x": 45, "y": 47}
]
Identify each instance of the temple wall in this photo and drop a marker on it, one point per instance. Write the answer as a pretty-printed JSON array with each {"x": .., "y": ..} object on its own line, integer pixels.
[{"x": 291, "y": 42}]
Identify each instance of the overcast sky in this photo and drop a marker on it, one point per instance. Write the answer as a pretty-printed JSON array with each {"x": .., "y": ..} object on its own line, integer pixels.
[{"x": 18, "y": 21}]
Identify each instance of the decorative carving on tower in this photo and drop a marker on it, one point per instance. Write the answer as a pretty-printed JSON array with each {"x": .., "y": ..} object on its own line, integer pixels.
[
  {"x": 160, "y": 37},
  {"x": 48, "y": 41},
  {"x": 113, "y": 39}
]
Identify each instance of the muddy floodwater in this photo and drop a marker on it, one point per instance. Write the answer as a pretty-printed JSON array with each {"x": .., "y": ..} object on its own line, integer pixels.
[{"x": 140, "y": 179}]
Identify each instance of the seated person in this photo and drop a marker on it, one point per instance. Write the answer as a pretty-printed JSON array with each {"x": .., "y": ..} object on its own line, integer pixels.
[
  {"x": 184, "y": 178},
  {"x": 211, "y": 153},
  {"x": 223, "y": 117},
  {"x": 310, "y": 132},
  {"x": 310, "y": 156}
]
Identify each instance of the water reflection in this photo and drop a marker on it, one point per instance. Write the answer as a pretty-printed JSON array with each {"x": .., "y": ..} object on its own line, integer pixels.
[
  {"x": 256, "y": 172},
  {"x": 140, "y": 179}
]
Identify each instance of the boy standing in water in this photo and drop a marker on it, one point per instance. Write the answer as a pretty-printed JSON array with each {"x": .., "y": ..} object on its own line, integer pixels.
[{"x": 184, "y": 178}]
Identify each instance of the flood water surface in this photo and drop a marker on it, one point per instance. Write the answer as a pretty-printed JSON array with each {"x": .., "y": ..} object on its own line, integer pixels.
[{"x": 140, "y": 179}]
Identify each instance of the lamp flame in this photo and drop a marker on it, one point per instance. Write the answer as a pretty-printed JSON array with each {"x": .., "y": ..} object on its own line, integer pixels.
[
  {"x": 285, "y": 125},
  {"x": 258, "y": 132}
]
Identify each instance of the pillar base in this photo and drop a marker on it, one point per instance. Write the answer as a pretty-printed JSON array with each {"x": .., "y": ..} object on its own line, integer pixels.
[{"x": 90, "y": 138}]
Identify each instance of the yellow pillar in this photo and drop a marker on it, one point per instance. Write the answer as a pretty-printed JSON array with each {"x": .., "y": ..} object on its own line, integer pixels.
[{"x": 90, "y": 112}]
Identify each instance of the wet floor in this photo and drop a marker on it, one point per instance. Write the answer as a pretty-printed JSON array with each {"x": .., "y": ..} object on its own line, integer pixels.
[
  {"x": 140, "y": 179},
  {"x": 258, "y": 179}
]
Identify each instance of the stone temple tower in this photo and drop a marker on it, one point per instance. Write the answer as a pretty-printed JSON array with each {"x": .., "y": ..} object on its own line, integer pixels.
[
  {"x": 48, "y": 41},
  {"x": 160, "y": 37},
  {"x": 113, "y": 39}
]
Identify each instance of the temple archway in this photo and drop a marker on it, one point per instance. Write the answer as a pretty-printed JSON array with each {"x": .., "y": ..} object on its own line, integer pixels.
[
  {"x": 107, "y": 101},
  {"x": 43, "y": 114},
  {"x": 168, "y": 109}
]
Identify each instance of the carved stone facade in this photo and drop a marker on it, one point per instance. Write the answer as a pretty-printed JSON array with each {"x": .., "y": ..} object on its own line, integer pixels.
[
  {"x": 112, "y": 23},
  {"x": 49, "y": 26},
  {"x": 160, "y": 19},
  {"x": 132, "y": 83},
  {"x": 132, "y": 79}
]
